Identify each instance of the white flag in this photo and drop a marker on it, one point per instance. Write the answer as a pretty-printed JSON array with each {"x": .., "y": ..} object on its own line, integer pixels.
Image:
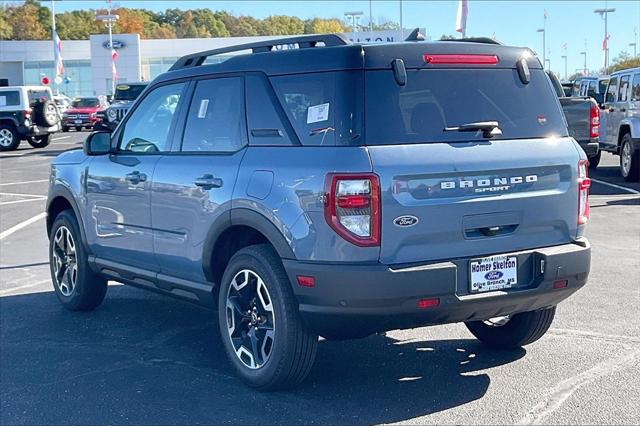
[{"x": 461, "y": 17}]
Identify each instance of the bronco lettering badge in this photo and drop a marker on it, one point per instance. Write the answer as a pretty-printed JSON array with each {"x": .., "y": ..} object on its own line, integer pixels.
[{"x": 405, "y": 221}]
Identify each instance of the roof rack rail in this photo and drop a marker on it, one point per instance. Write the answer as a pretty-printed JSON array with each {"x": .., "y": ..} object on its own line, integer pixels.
[
  {"x": 485, "y": 40},
  {"x": 328, "y": 40}
]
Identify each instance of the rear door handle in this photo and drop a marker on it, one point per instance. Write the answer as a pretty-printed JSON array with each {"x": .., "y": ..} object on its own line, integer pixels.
[
  {"x": 622, "y": 109},
  {"x": 611, "y": 109},
  {"x": 208, "y": 181},
  {"x": 136, "y": 177}
]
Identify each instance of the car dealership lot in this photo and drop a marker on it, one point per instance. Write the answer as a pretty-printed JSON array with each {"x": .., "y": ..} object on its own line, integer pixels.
[{"x": 143, "y": 358}]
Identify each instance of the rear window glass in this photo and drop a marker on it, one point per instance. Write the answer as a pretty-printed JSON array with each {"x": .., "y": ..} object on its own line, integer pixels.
[
  {"x": 85, "y": 103},
  {"x": 324, "y": 108},
  {"x": 38, "y": 95},
  {"x": 10, "y": 98},
  {"x": 434, "y": 99},
  {"x": 128, "y": 92}
]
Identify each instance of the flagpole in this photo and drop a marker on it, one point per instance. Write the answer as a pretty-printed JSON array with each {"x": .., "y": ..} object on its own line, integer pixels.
[
  {"x": 113, "y": 83},
  {"x": 53, "y": 39}
]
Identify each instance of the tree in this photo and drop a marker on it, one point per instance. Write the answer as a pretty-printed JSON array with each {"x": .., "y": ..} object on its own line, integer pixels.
[
  {"x": 25, "y": 24},
  {"x": 623, "y": 62},
  {"x": 209, "y": 25},
  {"x": 282, "y": 25},
  {"x": 77, "y": 25},
  {"x": 163, "y": 31},
  {"x": 6, "y": 30},
  {"x": 186, "y": 28},
  {"x": 323, "y": 26}
]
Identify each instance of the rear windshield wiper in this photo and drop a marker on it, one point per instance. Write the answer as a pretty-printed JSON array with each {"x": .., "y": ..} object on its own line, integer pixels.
[{"x": 489, "y": 128}]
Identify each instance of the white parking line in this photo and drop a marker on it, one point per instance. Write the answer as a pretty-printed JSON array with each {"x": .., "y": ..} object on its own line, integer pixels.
[
  {"x": 6, "y": 203},
  {"x": 613, "y": 185},
  {"x": 22, "y": 287},
  {"x": 24, "y": 182},
  {"x": 14, "y": 194},
  {"x": 16, "y": 228},
  {"x": 59, "y": 139}
]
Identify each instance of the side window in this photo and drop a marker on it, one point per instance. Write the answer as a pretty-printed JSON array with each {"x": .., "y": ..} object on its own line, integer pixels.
[
  {"x": 216, "y": 120},
  {"x": 624, "y": 89},
  {"x": 635, "y": 88},
  {"x": 323, "y": 108},
  {"x": 592, "y": 88},
  {"x": 147, "y": 128},
  {"x": 612, "y": 89},
  {"x": 10, "y": 98},
  {"x": 265, "y": 124}
]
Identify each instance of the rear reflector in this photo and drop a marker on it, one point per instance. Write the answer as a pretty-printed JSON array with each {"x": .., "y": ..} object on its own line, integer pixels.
[
  {"x": 560, "y": 284},
  {"x": 461, "y": 59},
  {"x": 428, "y": 303},
  {"x": 304, "y": 281}
]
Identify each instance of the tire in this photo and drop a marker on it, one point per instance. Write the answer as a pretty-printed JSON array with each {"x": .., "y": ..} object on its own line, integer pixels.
[
  {"x": 519, "y": 330},
  {"x": 291, "y": 348},
  {"x": 65, "y": 129},
  {"x": 78, "y": 129},
  {"x": 88, "y": 290},
  {"x": 629, "y": 160},
  {"x": 595, "y": 160},
  {"x": 9, "y": 139},
  {"x": 46, "y": 113},
  {"x": 39, "y": 141}
]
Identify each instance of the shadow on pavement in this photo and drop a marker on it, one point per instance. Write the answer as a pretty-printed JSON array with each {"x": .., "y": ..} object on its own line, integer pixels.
[{"x": 144, "y": 359}]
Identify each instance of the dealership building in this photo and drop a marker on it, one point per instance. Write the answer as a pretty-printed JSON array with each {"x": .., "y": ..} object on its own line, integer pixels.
[{"x": 87, "y": 63}]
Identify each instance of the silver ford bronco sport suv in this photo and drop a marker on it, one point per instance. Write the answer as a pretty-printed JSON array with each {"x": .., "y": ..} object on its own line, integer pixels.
[{"x": 332, "y": 189}]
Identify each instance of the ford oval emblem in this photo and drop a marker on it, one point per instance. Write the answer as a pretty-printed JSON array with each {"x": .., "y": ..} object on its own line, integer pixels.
[
  {"x": 493, "y": 275},
  {"x": 405, "y": 221}
]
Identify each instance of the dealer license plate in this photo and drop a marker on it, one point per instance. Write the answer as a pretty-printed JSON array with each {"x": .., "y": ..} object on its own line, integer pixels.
[
  {"x": 78, "y": 121},
  {"x": 493, "y": 273}
]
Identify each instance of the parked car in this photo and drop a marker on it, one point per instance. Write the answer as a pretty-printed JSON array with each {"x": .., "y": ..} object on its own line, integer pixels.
[
  {"x": 83, "y": 113},
  {"x": 125, "y": 95},
  {"x": 567, "y": 88},
  {"x": 27, "y": 113},
  {"x": 334, "y": 190},
  {"x": 592, "y": 86},
  {"x": 583, "y": 120},
  {"x": 62, "y": 102},
  {"x": 620, "y": 129}
]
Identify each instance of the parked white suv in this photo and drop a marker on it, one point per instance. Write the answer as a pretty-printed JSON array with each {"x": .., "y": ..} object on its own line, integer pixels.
[
  {"x": 27, "y": 113},
  {"x": 620, "y": 128}
]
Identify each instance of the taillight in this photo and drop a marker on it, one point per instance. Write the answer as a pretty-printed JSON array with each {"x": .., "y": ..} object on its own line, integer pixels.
[
  {"x": 352, "y": 207},
  {"x": 460, "y": 59},
  {"x": 584, "y": 183},
  {"x": 27, "y": 114},
  {"x": 594, "y": 121}
]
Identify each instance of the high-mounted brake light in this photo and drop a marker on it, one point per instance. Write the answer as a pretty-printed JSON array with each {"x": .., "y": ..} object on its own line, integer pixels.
[
  {"x": 584, "y": 183},
  {"x": 460, "y": 59},
  {"x": 352, "y": 207},
  {"x": 594, "y": 121}
]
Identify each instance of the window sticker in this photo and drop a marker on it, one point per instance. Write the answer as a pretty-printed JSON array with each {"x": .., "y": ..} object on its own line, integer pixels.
[
  {"x": 204, "y": 105},
  {"x": 3, "y": 101},
  {"x": 317, "y": 113}
]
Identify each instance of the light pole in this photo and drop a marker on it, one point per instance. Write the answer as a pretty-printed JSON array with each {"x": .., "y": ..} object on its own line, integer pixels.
[
  {"x": 634, "y": 45},
  {"x": 544, "y": 46},
  {"x": 603, "y": 13},
  {"x": 565, "y": 66},
  {"x": 585, "y": 62},
  {"x": 109, "y": 19}
]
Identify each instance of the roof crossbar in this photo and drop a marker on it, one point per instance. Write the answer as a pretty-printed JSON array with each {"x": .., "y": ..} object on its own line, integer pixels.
[{"x": 303, "y": 42}]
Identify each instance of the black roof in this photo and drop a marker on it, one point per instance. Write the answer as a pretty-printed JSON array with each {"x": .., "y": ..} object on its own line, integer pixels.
[{"x": 334, "y": 52}]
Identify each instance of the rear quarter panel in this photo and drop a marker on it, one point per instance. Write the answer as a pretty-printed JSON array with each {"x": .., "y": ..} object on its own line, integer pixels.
[{"x": 286, "y": 185}]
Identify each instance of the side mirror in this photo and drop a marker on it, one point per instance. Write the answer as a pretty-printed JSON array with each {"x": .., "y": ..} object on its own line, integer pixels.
[{"x": 98, "y": 143}]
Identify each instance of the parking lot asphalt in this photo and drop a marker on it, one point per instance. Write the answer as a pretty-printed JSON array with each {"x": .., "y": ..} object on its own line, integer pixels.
[{"x": 142, "y": 358}]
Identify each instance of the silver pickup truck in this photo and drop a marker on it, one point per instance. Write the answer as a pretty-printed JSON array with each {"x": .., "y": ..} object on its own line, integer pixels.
[{"x": 583, "y": 120}]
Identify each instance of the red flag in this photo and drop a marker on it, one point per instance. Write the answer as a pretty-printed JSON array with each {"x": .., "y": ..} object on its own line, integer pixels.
[
  {"x": 114, "y": 70},
  {"x": 605, "y": 42},
  {"x": 57, "y": 53}
]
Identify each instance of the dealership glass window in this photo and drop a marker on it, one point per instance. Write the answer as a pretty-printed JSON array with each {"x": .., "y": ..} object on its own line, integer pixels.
[
  {"x": 153, "y": 67},
  {"x": 635, "y": 88},
  {"x": 78, "y": 72}
]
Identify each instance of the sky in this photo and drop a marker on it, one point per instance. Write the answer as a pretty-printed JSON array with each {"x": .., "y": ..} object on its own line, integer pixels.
[{"x": 511, "y": 22}]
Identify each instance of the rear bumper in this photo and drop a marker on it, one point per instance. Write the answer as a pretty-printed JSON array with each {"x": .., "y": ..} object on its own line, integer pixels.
[
  {"x": 355, "y": 300},
  {"x": 35, "y": 130},
  {"x": 590, "y": 147}
]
